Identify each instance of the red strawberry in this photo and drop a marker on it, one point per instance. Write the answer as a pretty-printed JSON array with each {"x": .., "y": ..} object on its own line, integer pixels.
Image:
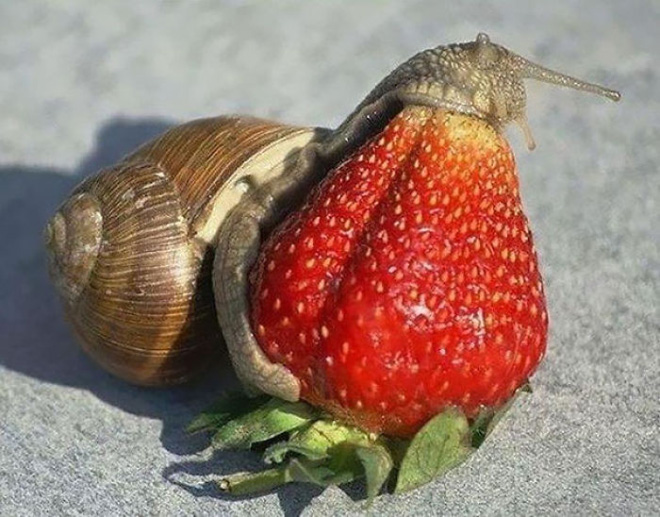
[{"x": 408, "y": 282}]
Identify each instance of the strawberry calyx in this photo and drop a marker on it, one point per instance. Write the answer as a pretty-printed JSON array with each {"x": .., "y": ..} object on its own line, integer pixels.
[{"x": 302, "y": 443}]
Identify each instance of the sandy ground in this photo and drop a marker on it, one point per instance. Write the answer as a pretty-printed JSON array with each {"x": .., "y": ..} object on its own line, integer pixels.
[{"x": 82, "y": 83}]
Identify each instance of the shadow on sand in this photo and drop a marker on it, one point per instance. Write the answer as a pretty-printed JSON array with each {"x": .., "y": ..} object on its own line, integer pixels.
[{"x": 37, "y": 342}]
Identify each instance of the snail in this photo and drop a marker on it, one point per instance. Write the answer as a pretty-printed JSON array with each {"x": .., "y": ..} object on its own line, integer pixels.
[
  {"x": 147, "y": 253},
  {"x": 130, "y": 251}
]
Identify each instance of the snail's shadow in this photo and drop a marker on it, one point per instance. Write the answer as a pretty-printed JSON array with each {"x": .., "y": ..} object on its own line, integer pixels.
[{"x": 35, "y": 340}]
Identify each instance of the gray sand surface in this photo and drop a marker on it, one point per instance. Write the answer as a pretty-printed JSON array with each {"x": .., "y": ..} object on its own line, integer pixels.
[{"x": 82, "y": 83}]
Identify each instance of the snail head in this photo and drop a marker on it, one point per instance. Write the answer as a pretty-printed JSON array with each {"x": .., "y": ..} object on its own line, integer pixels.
[
  {"x": 481, "y": 78},
  {"x": 493, "y": 77}
]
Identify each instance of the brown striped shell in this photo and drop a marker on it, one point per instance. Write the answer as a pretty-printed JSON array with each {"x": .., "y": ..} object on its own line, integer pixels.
[{"x": 131, "y": 250}]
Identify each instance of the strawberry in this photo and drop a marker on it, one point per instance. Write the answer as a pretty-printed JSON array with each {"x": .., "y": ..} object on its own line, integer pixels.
[{"x": 408, "y": 282}]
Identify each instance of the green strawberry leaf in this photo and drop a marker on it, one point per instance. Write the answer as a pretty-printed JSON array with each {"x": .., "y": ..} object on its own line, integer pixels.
[
  {"x": 268, "y": 421},
  {"x": 277, "y": 452},
  {"x": 230, "y": 405},
  {"x": 342, "y": 465},
  {"x": 307, "y": 471},
  {"x": 315, "y": 441},
  {"x": 377, "y": 463},
  {"x": 322, "y": 451},
  {"x": 325, "y": 453},
  {"x": 443, "y": 443},
  {"x": 488, "y": 418}
]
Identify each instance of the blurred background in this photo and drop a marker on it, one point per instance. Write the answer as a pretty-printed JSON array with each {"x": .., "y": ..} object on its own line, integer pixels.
[{"x": 83, "y": 83}]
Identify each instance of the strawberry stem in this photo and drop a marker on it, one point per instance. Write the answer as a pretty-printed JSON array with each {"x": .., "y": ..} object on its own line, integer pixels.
[{"x": 246, "y": 483}]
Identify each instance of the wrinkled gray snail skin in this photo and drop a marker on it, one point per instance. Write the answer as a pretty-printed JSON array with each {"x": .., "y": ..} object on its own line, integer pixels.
[
  {"x": 151, "y": 254},
  {"x": 478, "y": 78}
]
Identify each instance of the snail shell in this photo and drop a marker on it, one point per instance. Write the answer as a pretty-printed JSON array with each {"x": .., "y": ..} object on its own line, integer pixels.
[{"x": 130, "y": 251}]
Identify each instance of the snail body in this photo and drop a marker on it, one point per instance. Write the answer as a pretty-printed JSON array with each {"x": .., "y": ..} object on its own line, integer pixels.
[
  {"x": 131, "y": 250},
  {"x": 143, "y": 304}
]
